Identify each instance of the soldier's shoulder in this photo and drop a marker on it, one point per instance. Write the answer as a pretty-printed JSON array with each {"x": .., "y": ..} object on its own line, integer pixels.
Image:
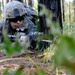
[
  {"x": 2, "y": 22},
  {"x": 30, "y": 10}
]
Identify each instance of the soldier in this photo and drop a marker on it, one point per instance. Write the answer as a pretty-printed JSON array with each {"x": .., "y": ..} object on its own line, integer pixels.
[{"x": 19, "y": 18}]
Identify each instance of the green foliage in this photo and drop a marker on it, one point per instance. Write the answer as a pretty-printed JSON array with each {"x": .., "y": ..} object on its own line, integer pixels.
[
  {"x": 8, "y": 46},
  {"x": 66, "y": 13},
  {"x": 69, "y": 28},
  {"x": 8, "y": 73},
  {"x": 36, "y": 5},
  {"x": 0, "y": 11},
  {"x": 18, "y": 72},
  {"x": 65, "y": 53},
  {"x": 64, "y": 46},
  {"x": 65, "y": 49},
  {"x": 54, "y": 26},
  {"x": 40, "y": 71}
]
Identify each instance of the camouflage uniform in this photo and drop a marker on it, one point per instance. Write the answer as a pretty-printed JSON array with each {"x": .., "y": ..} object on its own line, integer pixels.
[{"x": 27, "y": 22}]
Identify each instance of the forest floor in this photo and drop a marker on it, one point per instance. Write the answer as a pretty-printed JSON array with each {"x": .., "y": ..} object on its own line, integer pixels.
[{"x": 28, "y": 62}]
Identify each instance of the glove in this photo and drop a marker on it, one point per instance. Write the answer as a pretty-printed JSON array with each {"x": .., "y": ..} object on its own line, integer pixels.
[{"x": 24, "y": 41}]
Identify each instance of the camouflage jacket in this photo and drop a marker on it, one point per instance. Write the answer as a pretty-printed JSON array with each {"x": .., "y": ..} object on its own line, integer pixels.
[{"x": 28, "y": 25}]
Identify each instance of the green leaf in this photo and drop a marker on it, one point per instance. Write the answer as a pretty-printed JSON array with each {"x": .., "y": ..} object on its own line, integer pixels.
[
  {"x": 65, "y": 52},
  {"x": 8, "y": 73},
  {"x": 19, "y": 71},
  {"x": 40, "y": 71}
]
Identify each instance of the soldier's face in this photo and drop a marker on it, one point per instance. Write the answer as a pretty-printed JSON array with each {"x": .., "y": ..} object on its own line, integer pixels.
[
  {"x": 16, "y": 22},
  {"x": 16, "y": 25}
]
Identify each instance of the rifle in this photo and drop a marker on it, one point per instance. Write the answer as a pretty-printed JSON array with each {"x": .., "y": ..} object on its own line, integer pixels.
[{"x": 22, "y": 35}]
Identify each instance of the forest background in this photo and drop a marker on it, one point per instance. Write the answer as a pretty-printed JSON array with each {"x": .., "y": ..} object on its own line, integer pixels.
[{"x": 63, "y": 48}]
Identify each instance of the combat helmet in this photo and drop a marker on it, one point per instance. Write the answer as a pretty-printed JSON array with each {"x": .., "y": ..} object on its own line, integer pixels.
[{"x": 13, "y": 9}]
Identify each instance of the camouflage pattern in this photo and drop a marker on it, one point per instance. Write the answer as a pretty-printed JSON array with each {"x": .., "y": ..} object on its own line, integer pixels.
[
  {"x": 17, "y": 9},
  {"x": 2, "y": 22},
  {"x": 13, "y": 9}
]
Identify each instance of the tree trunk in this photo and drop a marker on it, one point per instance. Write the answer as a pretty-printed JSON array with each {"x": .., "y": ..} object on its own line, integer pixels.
[
  {"x": 55, "y": 7},
  {"x": 60, "y": 15},
  {"x": 69, "y": 13},
  {"x": 74, "y": 10},
  {"x": 30, "y": 2},
  {"x": 0, "y": 10},
  {"x": 2, "y": 4},
  {"x": 63, "y": 13},
  {"x": 43, "y": 26},
  {"x": 26, "y": 2},
  {"x": 7, "y": 1}
]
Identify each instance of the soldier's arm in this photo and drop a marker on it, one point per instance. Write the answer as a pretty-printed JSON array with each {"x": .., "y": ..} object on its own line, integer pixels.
[
  {"x": 32, "y": 30},
  {"x": 31, "y": 34},
  {"x": 2, "y": 23}
]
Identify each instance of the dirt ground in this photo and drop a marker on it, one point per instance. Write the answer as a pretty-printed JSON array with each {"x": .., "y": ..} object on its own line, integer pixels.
[{"x": 28, "y": 62}]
